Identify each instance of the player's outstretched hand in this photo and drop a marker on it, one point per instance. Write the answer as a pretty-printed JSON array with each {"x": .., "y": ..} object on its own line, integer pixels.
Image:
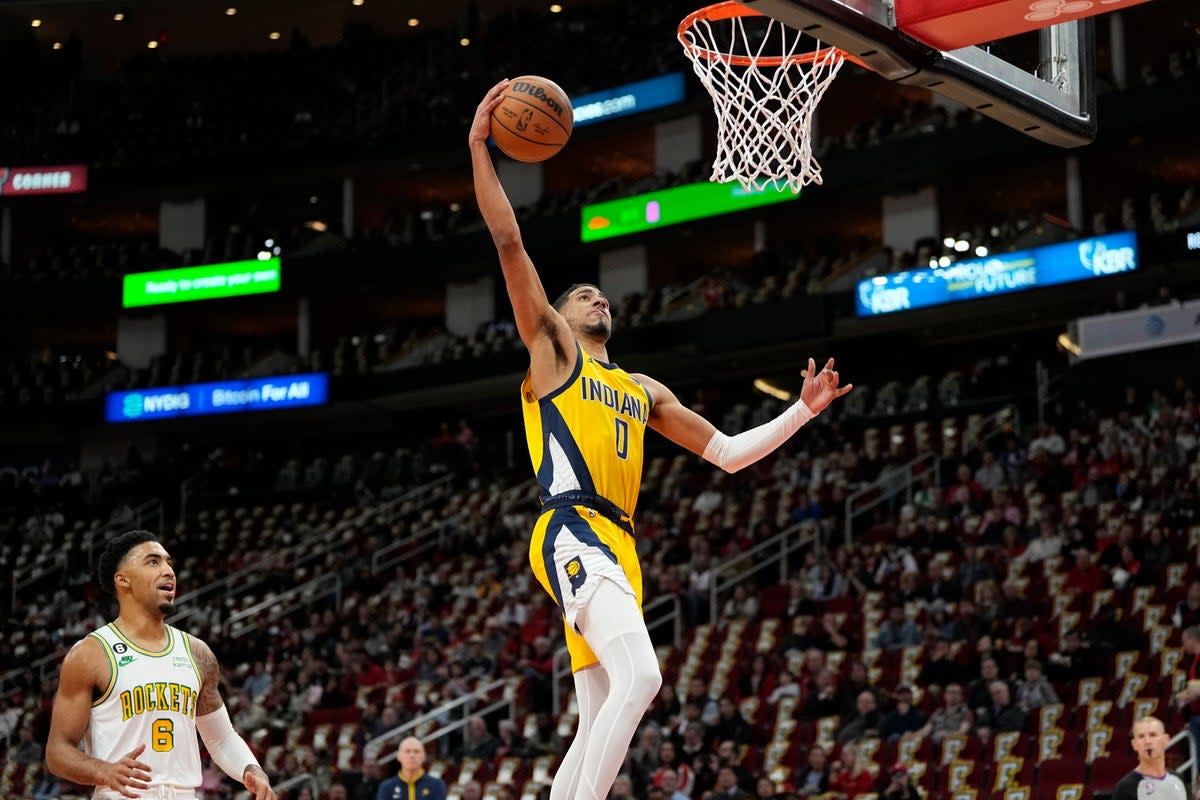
[
  {"x": 258, "y": 785},
  {"x": 126, "y": 774},
  {"x": 821, "y": 388},
  {"x": 481, "y": 128}
]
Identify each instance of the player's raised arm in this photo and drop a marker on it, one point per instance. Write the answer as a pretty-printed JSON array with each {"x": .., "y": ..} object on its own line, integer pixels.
[
  {"x": 689, "y": 430},
  {"x": 84, "y": 670},
  {"x": 537, "y": 321},
  {"x": 228, "y": 750}
]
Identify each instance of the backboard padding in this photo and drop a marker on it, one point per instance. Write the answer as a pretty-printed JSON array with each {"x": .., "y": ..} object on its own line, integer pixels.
[{"x": 1060, "y": 111}]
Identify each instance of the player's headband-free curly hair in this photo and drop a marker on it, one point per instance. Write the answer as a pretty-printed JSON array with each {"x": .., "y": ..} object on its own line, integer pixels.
[{"x": 114, "y": 553}]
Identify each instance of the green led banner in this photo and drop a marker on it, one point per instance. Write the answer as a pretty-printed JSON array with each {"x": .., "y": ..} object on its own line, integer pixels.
[
  {"x": 671, "y": 207},
  {"x": 201, "y": 283}
]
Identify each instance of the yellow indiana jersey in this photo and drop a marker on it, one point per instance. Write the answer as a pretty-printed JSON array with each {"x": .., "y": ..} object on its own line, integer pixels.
[{"x": 587, "y": 434}]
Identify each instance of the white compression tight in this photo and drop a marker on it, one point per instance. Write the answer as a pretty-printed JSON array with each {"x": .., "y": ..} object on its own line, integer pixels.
[{"x": 612, "y": 697}]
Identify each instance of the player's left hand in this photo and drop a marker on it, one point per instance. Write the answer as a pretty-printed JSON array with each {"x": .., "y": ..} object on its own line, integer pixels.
[
  {"x": 821, "y": 388},
  {"x": 258, "y": 785}
]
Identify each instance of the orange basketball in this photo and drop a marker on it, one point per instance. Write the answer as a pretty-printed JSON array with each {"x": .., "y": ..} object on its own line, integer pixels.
[{"x": 534, "y": 119}]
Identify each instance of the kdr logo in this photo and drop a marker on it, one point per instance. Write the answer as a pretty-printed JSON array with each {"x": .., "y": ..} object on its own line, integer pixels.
[{"x": 1045, "y": 10}]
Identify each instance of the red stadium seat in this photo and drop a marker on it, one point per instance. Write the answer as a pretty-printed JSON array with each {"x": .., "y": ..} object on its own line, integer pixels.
[
  {"x": 1103, "y": 773},
  {"x": 1011, "y": 773},
  {"x": 964, "y": 776},
  {"x": 1060, "y": 772}
]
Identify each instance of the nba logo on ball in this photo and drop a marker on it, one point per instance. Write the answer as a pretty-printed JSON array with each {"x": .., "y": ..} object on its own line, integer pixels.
[{"x": 534, "y": 119}]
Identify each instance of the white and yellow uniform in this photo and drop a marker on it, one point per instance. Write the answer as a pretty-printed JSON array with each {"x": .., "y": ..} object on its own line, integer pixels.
[{"x": 150, "y": 699}]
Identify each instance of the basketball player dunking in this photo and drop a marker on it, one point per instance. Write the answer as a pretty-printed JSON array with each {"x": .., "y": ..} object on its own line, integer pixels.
[
  {"x": 136, "y": 692},
  {"x": 1150, "y": 779},
  {"x": 584, "y": 421}
]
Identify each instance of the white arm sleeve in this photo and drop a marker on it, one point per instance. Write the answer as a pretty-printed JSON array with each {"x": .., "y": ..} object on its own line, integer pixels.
[
  {"x": 228, "y": 750},
  {"x": 732, "y": 453}
]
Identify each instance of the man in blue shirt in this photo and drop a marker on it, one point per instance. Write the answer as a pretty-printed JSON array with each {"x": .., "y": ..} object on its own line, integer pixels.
[
  {"x": 411, "y": 783},
  {"x": 903, "y": 718},
  {"x": 897, "y": 630}
]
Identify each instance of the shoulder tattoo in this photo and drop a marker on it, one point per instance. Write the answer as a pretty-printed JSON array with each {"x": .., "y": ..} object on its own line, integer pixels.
[{"x": 210, "y": 678}]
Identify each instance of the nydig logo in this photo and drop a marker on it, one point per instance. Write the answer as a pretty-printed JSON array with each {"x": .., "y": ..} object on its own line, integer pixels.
[
  {"x": 137, "y": 404},
  {"x": 175, "y": 401},
  {"x": 148, "y": 404}
]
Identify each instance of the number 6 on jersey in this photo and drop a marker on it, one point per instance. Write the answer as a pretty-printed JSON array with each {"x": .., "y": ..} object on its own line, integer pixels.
[{"x": 163, "y": 740}]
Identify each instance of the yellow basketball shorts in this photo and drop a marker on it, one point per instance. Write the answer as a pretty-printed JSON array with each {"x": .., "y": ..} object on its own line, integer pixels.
[{"x": 571, "y": 549}]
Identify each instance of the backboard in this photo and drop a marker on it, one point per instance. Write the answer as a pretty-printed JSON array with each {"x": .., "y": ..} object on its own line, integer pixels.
[{"x": 1056, "y": 102}]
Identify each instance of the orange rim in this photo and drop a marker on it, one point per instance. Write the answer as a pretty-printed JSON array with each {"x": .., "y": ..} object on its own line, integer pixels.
[{"x": 730, "y": 9}]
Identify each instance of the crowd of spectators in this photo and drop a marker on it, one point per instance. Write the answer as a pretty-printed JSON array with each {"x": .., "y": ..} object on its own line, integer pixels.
[
  {"x": 923, "y": 628},
  {"x": 367, "y": 91},
  {"x": 1108, "y": 491},
  {"x": 994, "y": 653}
]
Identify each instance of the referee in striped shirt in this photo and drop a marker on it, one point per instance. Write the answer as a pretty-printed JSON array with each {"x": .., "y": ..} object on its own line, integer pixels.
[{"x": 1150, "y": 781}]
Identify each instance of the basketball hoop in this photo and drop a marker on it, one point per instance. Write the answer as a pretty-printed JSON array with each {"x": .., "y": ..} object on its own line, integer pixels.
[{"x": 765, "y": 85}]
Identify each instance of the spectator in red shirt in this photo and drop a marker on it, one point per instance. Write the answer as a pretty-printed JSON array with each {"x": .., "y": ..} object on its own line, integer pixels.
[
  {"x": 850, "y": 776},
  {"x": 541, "y": 661},
  {"x": 1085, "y": 577},
  {"x": 966, "y": 492},
  {"x": 1012, "y": 546},
  {"x": 368, "y": 673},
  {"x": 670, "y": 766}
]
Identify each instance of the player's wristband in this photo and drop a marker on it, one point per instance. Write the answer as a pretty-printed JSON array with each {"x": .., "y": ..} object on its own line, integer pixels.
[
  {"x": 732, "y": 453},
  {"x": 228, "y": 750}
]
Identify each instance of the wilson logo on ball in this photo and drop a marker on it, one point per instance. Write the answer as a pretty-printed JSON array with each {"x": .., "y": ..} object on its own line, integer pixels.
[{"x": 538, "y": 93}]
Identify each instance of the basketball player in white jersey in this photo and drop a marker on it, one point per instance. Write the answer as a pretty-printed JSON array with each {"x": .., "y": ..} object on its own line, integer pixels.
[{"x": 133, "y": 695}]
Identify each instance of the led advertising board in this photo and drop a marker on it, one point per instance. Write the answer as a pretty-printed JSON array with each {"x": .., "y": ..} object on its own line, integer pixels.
[
  {"x": 632, "y": 98},
  {"x": 209, "y": 282},
  {"x": 999, "y": 274},
  {"x": 29, "y": 181},
  {"x": 221, "y": 397},
  {"x": 672, "y": 206}
]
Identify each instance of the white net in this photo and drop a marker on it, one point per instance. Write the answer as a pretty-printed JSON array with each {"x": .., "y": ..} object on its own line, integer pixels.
[{"x": 766, "y": 80}]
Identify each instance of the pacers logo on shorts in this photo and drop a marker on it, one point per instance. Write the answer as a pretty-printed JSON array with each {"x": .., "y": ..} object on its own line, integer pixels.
[{"x": 576, "y": 574}]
